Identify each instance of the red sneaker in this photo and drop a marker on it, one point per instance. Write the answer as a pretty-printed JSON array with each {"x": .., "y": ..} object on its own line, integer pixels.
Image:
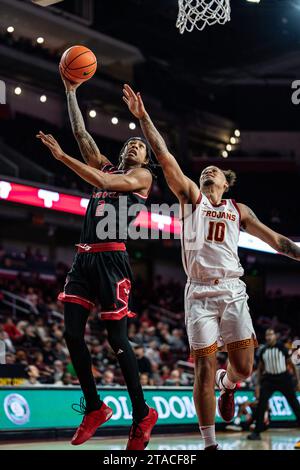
[
  {"x": 226, "y": 406},
  {"x": 139, "y": 434},
  {"x": 90, "y": 423}
]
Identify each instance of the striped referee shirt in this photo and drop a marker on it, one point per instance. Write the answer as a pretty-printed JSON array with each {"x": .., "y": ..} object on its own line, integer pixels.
[{"x": 274, "y": 358}]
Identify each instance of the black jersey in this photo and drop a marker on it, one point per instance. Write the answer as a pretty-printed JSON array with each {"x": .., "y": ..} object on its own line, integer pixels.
[{"x": 107, "y": 216}]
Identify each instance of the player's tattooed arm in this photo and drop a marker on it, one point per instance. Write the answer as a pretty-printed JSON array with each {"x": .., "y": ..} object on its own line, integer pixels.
[
  {"x": 88, "y": 147},
  {"x": 248, "y": 216},
  {"x": 251, "y": 224},
  {"x": 184, "y": 188},
  {"x": 288, "y": 247},
  {"x": 155, "y": 139},
  {"x": 138, "y": 179}
]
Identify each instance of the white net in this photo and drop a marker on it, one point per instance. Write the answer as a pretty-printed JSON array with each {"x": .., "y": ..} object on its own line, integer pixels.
[{"x": 199, "y": 13}]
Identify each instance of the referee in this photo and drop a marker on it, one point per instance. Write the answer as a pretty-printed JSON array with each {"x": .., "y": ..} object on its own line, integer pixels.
[{"x": 273, "y": 376}]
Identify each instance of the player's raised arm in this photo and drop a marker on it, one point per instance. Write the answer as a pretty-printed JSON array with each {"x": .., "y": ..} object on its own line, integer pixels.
[
  {"x": 184, "y": 188},
  {"x": 88, "y": 148},
  {"x": 137, "y": 179},
  {"x": 254, "y": 226}
]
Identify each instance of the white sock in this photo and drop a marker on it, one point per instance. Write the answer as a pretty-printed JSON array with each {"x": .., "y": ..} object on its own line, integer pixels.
[
  {"x": 227, "y": 382},
  {"x": 208, "y": 433}
]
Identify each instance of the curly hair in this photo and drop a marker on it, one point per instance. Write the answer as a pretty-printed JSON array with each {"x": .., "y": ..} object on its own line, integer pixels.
[
  {"x": 230, "y": 176},
  {"x": 149, "y": 163}
]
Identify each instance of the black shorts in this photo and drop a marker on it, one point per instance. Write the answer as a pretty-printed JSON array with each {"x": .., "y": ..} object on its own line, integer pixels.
[{"x": 105, "y": 276}]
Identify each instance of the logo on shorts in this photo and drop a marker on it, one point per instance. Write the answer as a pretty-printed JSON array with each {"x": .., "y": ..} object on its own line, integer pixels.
[{"x": 16, "y": 409}]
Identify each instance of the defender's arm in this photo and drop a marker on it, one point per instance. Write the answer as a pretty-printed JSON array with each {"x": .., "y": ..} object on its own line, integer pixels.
[
  {"x": 279, "y": 242},
  {"x": 184, "y": 188}
]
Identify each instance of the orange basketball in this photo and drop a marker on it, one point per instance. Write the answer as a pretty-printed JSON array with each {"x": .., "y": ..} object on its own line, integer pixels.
[{"x": 78, "y": 64}]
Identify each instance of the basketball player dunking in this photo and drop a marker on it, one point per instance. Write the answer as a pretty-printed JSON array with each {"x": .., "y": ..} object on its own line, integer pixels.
[
  {"x": 215, "y": 298},
  {"x": 101, "y": 270}
]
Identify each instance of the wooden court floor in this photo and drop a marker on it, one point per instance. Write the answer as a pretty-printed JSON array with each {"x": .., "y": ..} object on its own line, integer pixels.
[{"x": 275, "y": 439}]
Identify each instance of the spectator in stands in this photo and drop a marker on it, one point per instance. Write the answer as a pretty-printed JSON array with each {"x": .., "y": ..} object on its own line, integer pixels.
[
  {"x": 96, "y": 350},
  {"x": 57, "y": 332},
  {"x": 156, "y": 375},
  {"x": 4, "y": 337},
  {"x": 108, "y": 379},
  {"x": 49, "y": 354},
  {"x": 58, "y": 371},
  {"x": 165, "y": 373},
  {"x": 45, "y": 372},
  {"x": 60, "y": 351},
  {"x": 66, "y": 380},
  {"x": 144, "y": 378},
  {"x": 186, "y": 378},
  {"x": 152, "y": 352},
  {"x": 10, "y": 328},
  {"x": 33, "y": 377},
  {"x": 165, "y": 354},
  {"x": 31, "y": 296},
  {"x": 10, "y": 358},
  {"x": 145, "y": 319},
  {"x": 41, "y": 328},
  {"x": 174, "y": 378},
  {"x": 21, "y": 357},
  {"x": 30, "y": 339},
  {"x": 175, "y": 339},
  {"x": 143, "y": 362},
  {"x": 132, "y": 331}
]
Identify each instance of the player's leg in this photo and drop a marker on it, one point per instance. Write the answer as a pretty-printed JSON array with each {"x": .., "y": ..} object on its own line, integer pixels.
[
  {"x": 266, "y": 391},
  {"x": 118, "y": 340},
  {"x": 201, "y": 319},
  {"x": 204, "y": 398},
  {"x": 240, "y": 366},
  {"x": 115, "y": 280},
  {"x": 94, "y": 410},
  {"x": 78, "y": 301},
  {"x": 75, "y": 317},
  {"x": 287, "y": 389},
  {"x": 238, "y": 334}
]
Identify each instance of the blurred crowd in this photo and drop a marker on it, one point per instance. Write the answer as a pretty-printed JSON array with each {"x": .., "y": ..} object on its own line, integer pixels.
[{"x": 34, "y": 339}]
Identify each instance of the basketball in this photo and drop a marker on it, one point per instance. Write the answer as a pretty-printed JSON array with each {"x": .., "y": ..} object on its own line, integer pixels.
[{"x": 78, "y": 64}]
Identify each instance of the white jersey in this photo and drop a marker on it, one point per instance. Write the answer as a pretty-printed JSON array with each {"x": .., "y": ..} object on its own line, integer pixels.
[{"x": 209, "y": 239}]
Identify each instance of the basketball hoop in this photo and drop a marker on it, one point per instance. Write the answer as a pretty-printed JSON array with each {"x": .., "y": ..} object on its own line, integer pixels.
[{"x": 199, "y": 13}]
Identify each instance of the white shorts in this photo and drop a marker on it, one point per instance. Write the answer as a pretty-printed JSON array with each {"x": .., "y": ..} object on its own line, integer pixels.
[{"x": 217, "y": 316}]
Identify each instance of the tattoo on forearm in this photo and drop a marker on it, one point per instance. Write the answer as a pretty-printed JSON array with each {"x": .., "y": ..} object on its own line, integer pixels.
[
  {"x": 156, "y": 141},
  {"x": 76, "y": 118},
  {"x": 289, "y": 248},
  {"x": 86, "y": 143},
  {"x": 252, "y": 216},
  {"x": 251, "y": 213}
]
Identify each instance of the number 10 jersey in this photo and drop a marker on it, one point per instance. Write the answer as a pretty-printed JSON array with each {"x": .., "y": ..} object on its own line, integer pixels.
[{"x": 209, "y": 240}]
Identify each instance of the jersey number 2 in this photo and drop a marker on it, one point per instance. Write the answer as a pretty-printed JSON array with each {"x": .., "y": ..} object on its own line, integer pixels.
[{"x": 216, "y": 231}]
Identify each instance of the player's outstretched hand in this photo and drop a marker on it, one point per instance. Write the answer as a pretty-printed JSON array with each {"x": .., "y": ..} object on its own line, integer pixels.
[
  {"x": 69, "y": 86},
  {"x": 134, "y": 102},
  {"x": 52, "y": 145}
]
